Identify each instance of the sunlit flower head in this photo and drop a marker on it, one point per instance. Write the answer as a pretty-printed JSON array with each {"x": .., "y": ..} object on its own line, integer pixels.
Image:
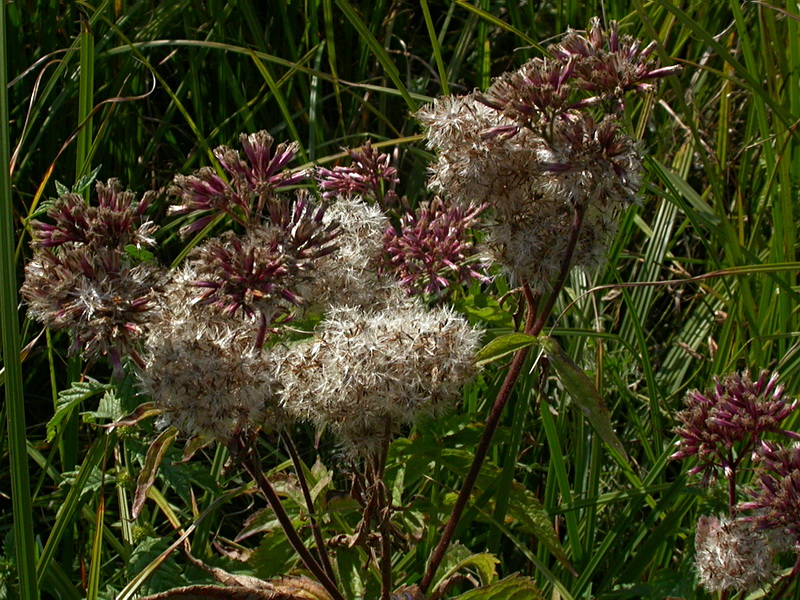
[
  {"x": 365, "y": 372},
  {"x": 776, "y": 496},
  {"x": 116, "y": 221},
  {"x": 99, "y": 295},
  {"x": 246, "y": 191},
  {"x": 434, "y": 248},
  {"x": 261, "y": 275},
  {"x": 350, "y": 276},
  {"x": 736, "y": 409},
  {"x": 731, "y": 554},
  {"x": 606, "y": 62},
  {"x": 204, "y": 373},
  {"x": 368, "y": 176}
]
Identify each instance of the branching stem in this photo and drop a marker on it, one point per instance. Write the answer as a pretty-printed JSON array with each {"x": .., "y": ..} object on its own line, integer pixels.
[
  {"x": 252, "y": 464},
  {"x": 322, "y": 549}
]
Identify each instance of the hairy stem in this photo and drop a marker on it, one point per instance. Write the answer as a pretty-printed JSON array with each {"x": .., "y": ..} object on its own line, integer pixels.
[
  {"x": 315, "y": 528},
  {"x": 533, "y": 326}
]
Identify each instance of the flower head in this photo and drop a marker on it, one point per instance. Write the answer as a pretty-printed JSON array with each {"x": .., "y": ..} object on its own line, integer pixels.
[
  {"x": 99, "y": 295},
  {"x": 365, "y": 372},
  {"x": 606, "y": 62},
  {"x": 203, "y": 371},
  {"x": 732, "y": 554},
  {"x": 736, "y": 409},
  {"x": 248, "y": 188},
  {"x": 776, "y": 496},
  {"x": 367, "y": 176},
  {"x": 433, "y": 248},
  {"x": 262, "y": 273},
  {"x": 116, "y": 221},
  {"x": 350, "y": 276}
]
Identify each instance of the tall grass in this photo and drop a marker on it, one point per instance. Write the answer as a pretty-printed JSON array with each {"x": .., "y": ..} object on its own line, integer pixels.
[{"x": 701, "y": 281}]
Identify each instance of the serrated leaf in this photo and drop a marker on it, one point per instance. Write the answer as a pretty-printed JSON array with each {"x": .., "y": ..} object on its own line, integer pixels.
[
  {"x": 61, "y": 189},
  {"x": 510, "y": 588},
  {"x": 70, "y": 398},
  {"x": 526, "y": 509},
  {"x": 583, "y": 393},
  {"x": 110, "y": 407},
  {"x": 85, "y": 181},
  {"x": 503, "y": 346},
  {"x": 154, "y": 458}
]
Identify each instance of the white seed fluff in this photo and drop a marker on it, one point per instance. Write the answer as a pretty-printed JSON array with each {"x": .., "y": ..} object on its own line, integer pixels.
[{"x": 368, "y": 371}]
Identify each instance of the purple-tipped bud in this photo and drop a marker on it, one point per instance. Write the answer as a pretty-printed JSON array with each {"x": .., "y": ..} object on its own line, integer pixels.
[
  {"x": 248, "y": 188},
  {"x": 368, "y": 175},
  {"x": 115, "y": 222},
  {"x": 434, "y": 250},
  {"x": 776, "y": 495},
  {"x": 735, "y": 410}
]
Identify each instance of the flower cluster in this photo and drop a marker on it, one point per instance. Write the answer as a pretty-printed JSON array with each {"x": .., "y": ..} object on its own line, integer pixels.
[
  {"x": 351, "y": 276},
  {"x": 368, "y": 176},
  {"x": 204, "y": 372},
  {"x": 116, "y": 221},
  {"x": 554, "y": 174},
  {"x": 248, "y": 188},
  {"x": 83, "y": 278},
  {"x": 730, "y": 553},
  {"x": 260, "y": 274},
  {"x": 433, "y": 248},
  {"x": 365, "y": 372},
  {"x": 737, "y": 409},
  {"x": 776, "y": 497}
]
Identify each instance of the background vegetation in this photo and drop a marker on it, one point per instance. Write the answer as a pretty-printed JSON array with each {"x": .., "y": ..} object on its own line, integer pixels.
[{"x": 142, "y": 90}]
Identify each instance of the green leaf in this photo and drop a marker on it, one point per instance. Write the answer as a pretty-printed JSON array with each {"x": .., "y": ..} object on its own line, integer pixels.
[
  {"x": 139, "y": 254},
  {"x": 503, "y": 346},
  {"x": 85, "y": 181},
  {"x": 153, "y": 460},
  {"x": 61, "y": 189},
  {"x": 459, "y": 558},
  {"x": 483, "y": 307},
  {"x": 583, "y": 393},
  {"x": 526, "y": 508},
  {"x": 69, "y": 399},
  {"x": 110, "y": 408},
  {"x": 510, "y": 588}
]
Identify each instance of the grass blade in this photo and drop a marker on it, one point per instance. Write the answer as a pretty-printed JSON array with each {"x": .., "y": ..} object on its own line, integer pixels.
[{"x": 9, "y": 325}]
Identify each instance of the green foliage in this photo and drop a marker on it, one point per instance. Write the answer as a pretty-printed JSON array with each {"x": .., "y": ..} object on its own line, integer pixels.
[{"x": 701, "y": 281}]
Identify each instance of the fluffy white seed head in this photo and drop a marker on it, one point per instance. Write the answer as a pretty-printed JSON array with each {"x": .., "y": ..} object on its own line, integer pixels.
[
  {"x": 349, "y": 276},
  {"x": 365, "y": 372},
  {"x": 203, "y": 370},
  {"x": 731, "y": 554}
]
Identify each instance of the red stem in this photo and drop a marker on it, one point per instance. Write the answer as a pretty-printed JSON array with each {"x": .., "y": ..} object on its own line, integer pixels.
[
  {"x": 252, "y": 465},
  {"x": 533, "y": 326}
]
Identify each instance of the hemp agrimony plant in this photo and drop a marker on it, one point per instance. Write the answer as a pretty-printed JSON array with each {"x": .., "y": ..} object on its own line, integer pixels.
[
  {"x": 321, "y": 299},
  {"x": 723, "y": 430}
]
